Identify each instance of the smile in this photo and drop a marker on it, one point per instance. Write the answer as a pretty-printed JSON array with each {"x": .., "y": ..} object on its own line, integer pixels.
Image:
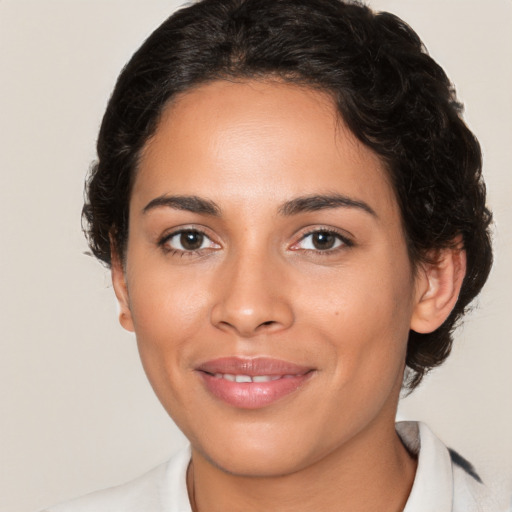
[
  {"x": 252, "y": 383},
  {"x": 249, "y": 378}
]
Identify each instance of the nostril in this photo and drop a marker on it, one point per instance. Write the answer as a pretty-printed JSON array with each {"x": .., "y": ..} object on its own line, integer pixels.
[
  {"x": 260, "y": 315},
  {"x": 266, "y": 325}
]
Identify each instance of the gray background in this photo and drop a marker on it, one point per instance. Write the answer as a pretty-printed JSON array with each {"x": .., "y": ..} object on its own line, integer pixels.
[{"x": 76, "y": 412}]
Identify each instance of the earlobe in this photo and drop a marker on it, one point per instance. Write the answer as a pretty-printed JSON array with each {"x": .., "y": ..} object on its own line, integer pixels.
[
  {"x": 121, "y": 291},
  {"x": 438, "y": 286}
]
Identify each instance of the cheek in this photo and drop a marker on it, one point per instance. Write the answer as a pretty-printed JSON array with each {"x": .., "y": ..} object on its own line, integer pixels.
[
  {"x": 168, "y": 315},
  {"x": 169, "y": 311},
  {"x": 365, "y": 314},
  {"x": 161, "y": 298}
]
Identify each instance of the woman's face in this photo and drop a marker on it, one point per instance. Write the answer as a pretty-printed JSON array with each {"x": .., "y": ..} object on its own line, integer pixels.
[{"x": 267, "y": 277}]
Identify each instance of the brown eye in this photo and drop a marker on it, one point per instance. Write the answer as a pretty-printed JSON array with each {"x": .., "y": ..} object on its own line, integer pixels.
[
  {"x": 323, "y": 240},
  {"x": 188, "y": 241},
  {"x": 191, "y": 240}
]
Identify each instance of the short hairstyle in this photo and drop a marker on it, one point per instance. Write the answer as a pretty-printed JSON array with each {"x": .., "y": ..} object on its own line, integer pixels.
[{"x": 389, "y": 92}]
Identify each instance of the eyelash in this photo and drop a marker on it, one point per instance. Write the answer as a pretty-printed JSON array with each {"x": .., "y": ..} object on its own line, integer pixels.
[
  {"x": 183, "y": 252},
  {"x": 345, "y": 242}
]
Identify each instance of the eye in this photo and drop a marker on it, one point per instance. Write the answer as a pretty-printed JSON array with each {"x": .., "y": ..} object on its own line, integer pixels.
[
  {"x": 321, "y": 240},
  {"x": 188, "y": 240}
]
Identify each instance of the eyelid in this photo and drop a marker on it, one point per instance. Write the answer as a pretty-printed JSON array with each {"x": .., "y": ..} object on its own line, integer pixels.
[
  {"x": 346, "y": 241},
  {"x": 168, "y": 235}
]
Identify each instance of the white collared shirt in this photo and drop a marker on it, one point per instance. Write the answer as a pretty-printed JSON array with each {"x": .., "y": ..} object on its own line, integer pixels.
[{"x": 444, "y": 482}]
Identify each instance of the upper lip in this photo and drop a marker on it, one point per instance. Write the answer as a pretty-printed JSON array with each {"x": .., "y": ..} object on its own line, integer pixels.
[{"x": 252, "y": 366}]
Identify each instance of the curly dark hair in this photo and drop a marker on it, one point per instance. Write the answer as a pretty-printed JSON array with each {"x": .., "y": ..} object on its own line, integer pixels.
[{"x": 391, "y": 94}]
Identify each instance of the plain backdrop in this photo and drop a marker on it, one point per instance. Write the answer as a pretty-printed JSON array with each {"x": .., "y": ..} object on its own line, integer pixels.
[{"x": 76, "y": 412}]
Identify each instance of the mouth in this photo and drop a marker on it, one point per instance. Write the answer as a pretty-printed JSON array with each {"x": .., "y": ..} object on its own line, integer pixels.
[
  {"x": 250, "y": 378},
  {"x": 252, "y": 383}
]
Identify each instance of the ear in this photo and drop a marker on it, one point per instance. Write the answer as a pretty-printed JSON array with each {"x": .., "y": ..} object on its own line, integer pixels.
[
  {"x": 121, "y": 290},
  {"x": 438, "y": 286}
]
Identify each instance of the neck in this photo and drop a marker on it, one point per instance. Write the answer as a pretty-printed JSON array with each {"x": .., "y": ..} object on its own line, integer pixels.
[{"x": 372, "y": 472}]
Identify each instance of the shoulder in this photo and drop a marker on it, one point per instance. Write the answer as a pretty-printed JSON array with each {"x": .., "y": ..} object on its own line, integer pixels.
[
  {"x": 162, "y": 488},
  {"x": 470, "y": 491},
  {"x": 444, "y": 479}
]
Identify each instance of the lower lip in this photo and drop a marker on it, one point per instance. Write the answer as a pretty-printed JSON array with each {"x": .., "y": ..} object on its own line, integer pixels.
[{"x": 253, "y": 395}]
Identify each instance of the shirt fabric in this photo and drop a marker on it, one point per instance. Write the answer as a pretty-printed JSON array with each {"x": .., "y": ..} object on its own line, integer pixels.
[{"x": 444, "y": 482}]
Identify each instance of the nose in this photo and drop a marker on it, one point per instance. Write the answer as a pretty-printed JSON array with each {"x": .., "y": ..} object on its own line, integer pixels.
[{"x": 251, "y": 297}]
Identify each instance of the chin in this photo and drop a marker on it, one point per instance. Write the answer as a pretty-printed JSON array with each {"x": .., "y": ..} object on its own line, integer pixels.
[
  {"x": 263, "y": 451},
  {"x": 257, "y": 464}
]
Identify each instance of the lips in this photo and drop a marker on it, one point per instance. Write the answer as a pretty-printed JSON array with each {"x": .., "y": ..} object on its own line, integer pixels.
[{"x": 252, "y": 383}]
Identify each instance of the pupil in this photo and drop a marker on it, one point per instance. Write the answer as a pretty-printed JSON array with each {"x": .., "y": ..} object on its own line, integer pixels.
[
  {"x": 191, "y": 240},
  {"x": 323, "y": 240}
]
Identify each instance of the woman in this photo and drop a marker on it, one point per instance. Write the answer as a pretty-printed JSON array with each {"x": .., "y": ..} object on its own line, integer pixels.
[{"x": 294, "y": 216}]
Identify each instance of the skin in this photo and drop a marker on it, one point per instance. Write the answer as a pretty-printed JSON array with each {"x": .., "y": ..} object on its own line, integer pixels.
[{"x": 258, "y": 287}]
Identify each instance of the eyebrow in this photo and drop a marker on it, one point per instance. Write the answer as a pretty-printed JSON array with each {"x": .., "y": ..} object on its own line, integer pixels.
[
  {"x": 192, "y": 204},
  {"x": 311, "y": 203},
  {"x": 318, "y": 202}
]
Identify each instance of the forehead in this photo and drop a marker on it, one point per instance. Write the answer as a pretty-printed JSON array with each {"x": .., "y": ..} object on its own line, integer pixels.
[{"x": 243, "y": 140}]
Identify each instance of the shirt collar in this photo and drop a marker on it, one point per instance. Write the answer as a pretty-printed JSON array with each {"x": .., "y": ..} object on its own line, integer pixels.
[
  {"x": 433, "y": 484},
  {"x": 432, "y": 488}
]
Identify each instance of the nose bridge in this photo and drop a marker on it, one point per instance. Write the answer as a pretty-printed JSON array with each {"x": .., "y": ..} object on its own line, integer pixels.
[{"x": 251, "y": 297}]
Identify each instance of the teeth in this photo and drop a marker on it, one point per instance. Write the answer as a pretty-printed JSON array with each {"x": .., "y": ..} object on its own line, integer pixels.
[
  {"x": 265, "y": 378},
  {"x": 248, "y": 378},
  {"x": 261, "y": 378}
]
